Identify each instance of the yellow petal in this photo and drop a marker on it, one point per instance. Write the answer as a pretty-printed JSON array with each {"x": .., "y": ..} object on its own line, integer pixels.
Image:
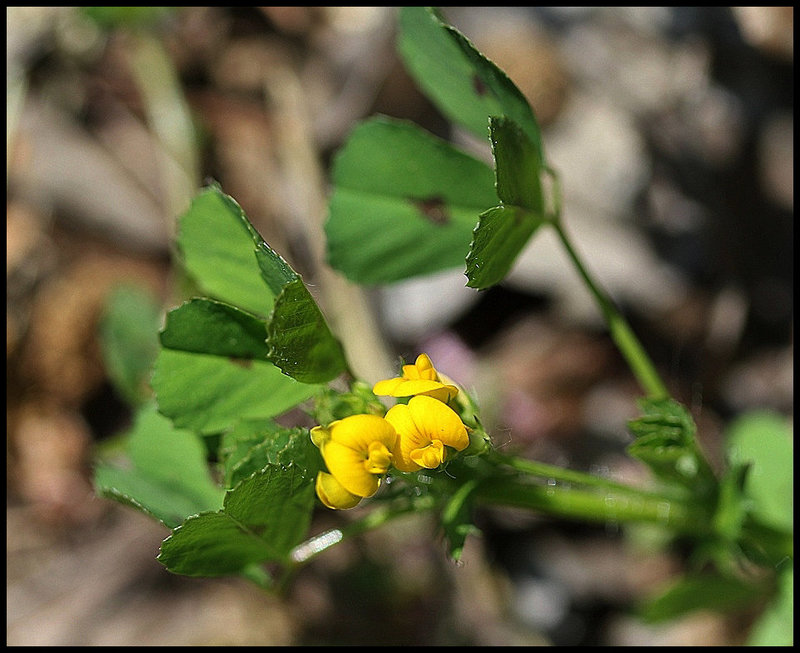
[
  {"x": 439, "y": 421},
  {"x": 320, "y": 435},
  {"x": 429, "y": 457},
  {"x": 409, "y": 388},
  {"x": 411, "y": 373},
  {"x": 421, "y": 423},
  {"x": 419, "y": 378},
  {"x": 333, "y": 495},
  {"x": 386, "y": 387},
  {"x": 359, "y": 431},
  {"x": 347, "y": 465},
  {"x": 443, "y": 393},
  {"x": 378, "y": 459},
  {"x": 425, "y": 369},
  {"x": 408, "y": 437}
]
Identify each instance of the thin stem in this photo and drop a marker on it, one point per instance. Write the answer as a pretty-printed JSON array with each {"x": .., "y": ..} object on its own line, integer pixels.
[
  {"x": 560, "y": 474},
  {"x": 609, "y": 506},
  {"x": 621, "y": 333}
]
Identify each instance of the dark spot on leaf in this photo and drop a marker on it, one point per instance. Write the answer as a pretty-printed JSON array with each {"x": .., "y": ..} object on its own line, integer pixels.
[
  {"x": 434, "y": 209},
  {"x": 242, "y": 362},
  {"x": 479, "y": 86}
]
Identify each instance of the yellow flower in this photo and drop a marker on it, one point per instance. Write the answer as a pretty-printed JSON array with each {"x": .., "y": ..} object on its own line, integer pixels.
[
  {"x": 333, "y": 495},
  {"x": 425, "y": 426},
  {"x": 356, "y": 450},
  {"x": 421, "y": 378}
]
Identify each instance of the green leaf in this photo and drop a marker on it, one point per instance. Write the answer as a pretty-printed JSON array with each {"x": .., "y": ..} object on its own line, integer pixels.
[
  {"x": 274, "y": 503},
  {"x": 167, "y": 477},
  {"x": 503, "y": 231},
  {"x": 464, "y": 85},
  {"x": 206, "y": 326},
  {"x": 775, "y": 627},
  {"x": 209, "y": 394},
  {"x": 212, "y": 544},
  {"x": 764, "y": 440},
  {"x": 230, "y": 259},
  {"x": 501, "y": 234},
  {"x": 517, "y": 165},
  {"x": 457, "y": 518},
  {"x": 731, "y": 505},
  {"x": 254, "y": 444},
  {"x": 218, "y": 245},
  {"x": 275, "y": 271},
  {"x": 262, "y": 519},
  {"x": 299, "y": 339},
  {"x": 128, "y": 338},
  {"x": 702, "y": 592},
  {"x": 404, "y": 203},
  {"x": 665, "y": 441},
  {"x": 236, "y": 443}
]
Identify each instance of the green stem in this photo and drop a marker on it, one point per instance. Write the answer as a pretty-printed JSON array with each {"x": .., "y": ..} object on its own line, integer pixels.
[
  {"x": 557, "y": 474},
  {"x": 608, "y": 506},
  {"x": 621, "y": 333}
]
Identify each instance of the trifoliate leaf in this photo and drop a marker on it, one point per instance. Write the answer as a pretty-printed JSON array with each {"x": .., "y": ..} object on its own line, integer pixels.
[
  {"x": 462, "y": 82},
  {"x": 205, "y": 326},
  {"x": 167, "y": 475},
  {"x": 217, "y": 244},
  {"x": 404, "y": 203},
  {"x": 210, "y": 394},
  {"x": 231, "y": 261},
  {"x": 263, "y": 517}
]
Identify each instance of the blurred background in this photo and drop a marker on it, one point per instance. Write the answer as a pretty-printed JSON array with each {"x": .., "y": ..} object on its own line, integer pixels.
[{"x": 672, "y": 130}]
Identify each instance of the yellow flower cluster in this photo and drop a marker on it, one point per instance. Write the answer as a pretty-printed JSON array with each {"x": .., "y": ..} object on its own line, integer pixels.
[{"x": 358, "y": 450}]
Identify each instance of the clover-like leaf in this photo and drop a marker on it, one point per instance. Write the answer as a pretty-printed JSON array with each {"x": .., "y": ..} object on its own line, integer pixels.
[
  {"x": 217, "y": 245},
  {"x": 205, "y": 326},
  {"x": 230, "y": 260},
  {"x": 503, "y": 231},
  {"x": 462, "y": 82},
  {"x": 167, "y": 475},
  {"x": 404, "y": 203},
  {"x": 210, "y": 394},
  {"x": 263, "y": 517}
]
